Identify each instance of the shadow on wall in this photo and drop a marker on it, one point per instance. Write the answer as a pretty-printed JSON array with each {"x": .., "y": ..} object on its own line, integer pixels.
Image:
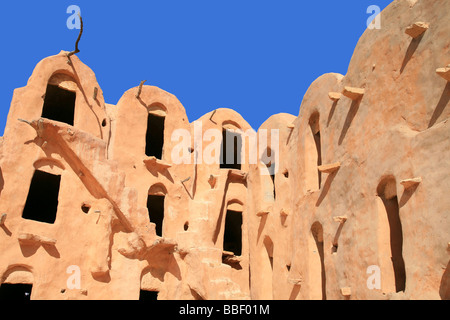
[
  {"x": 349, "y": 119},
  {"x": 443, "y": 102},
  {"x": 2, "y": 182},
  {"x": 444, "y": 289},
  {"x": 410, "y": 52}
]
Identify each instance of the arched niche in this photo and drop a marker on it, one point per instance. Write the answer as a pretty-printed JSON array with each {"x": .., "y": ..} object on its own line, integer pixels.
[
  {"x": 266, "y": 268},
  {"x": 390, "y": 237},
  {"x": 317, "y": 275},
  {"x": 313, "y": 153},
  {"x": 2, "y": 181},
  {"x": 235, "y": 205},
  {"x": 18, "y": 274},
  {"x": 157, "y": 109}
]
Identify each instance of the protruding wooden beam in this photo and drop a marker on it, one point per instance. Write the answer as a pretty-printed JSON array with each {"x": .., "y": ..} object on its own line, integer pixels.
[
  {"x": 408, "y": 183},
  {"x": 417, "y": 29},
  {"x": 262, "y": 213},
  {"x": 154, "y": 162},
  {"x": 291, "y": 126},
  {"x": 353, "y": 93},
  {"x": 335, "y": 96},
  {"x": 329, "y": 168},
  {"x": 444, "y": 72},
  {"x": 284, "y": 212},
  {"x": 28, "y": 238},
  {"x": 340, "y": 219}
]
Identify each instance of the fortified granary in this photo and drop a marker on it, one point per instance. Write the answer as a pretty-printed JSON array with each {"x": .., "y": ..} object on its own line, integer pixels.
[{"x": 348, "y": 199}]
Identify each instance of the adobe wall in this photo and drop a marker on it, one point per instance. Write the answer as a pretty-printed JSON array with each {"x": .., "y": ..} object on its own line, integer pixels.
[{"x": 360, "y": 177}]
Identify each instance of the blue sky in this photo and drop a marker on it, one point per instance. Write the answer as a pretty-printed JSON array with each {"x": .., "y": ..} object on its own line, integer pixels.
[{"x": 255, "y": 56}]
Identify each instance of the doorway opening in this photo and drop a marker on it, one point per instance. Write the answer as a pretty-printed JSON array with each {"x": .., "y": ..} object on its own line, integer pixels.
[
  {"x": 59, "y": 104},
  {"x": 42, "y": 200}
]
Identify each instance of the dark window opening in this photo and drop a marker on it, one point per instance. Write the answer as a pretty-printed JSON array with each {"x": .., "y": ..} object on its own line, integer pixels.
[
  {"x": 154, "y": 140},
  {"x": 85, "y": 208},
  {"x": 334, "y": 248},
  {"x": 148, "y": 295},
  {"x": 155, "y": 206},
  {"x": 42, "y": 200},
  {"x": 186, "y": 226},
  {"x": 232, "y": 240},
  {"x": 231, "y": 150},
  {"x": 59, "y": 104},
  {"x": 18, "y": 292}
]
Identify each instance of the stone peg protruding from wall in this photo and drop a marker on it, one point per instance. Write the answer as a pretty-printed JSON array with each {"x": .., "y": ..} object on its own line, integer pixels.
[
  {"x": 444, "y": 72},
  {"x": 353, "y": 93},
  {"x": 417, "y": 29},
  {"x": 335, "y": 96},
  {"x": 409, "y": 183},
  {"x": 329, "y": 168}
]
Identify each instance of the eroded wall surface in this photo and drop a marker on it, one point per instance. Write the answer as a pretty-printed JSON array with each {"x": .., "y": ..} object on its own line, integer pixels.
[{"x": 349, "y": 203}]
